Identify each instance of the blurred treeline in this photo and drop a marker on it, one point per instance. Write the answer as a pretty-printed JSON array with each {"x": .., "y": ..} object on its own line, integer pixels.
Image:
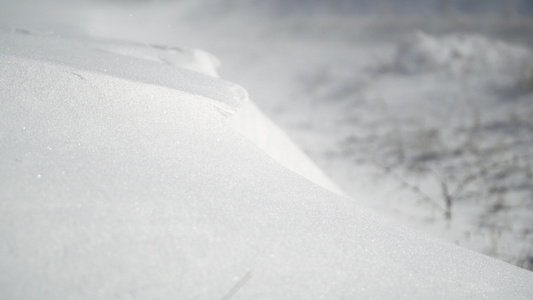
[
  {"x": 375, "y": 7},
  {"x": 495, "y": 7}
]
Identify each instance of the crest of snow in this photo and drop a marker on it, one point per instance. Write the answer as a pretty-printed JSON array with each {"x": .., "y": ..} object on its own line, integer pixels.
[
  {"x": 191, "y": 59},
  {"x": 460, "y": 55},
  {"x": 120, "y": 179},
  {"x": 132, "y": 62},
  {"x": 261, "y": 131}
]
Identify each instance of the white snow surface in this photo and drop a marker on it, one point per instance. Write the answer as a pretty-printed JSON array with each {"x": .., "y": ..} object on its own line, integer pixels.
[
  {"x": 129, "y": 171},
  {"x": 130, "y": 189}
]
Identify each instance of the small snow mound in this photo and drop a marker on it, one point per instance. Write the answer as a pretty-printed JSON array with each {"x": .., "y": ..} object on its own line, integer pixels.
[
  {"x": 459, "y": 55},
  {"x": 191, "y": 59}
]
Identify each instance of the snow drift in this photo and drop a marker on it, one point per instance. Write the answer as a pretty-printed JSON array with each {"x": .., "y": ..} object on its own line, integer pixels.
[{"x": 124, "y": 178}]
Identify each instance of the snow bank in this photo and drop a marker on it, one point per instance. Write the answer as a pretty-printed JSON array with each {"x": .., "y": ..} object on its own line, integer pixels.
[
  {"x": 460, "y": 55},
  {"x": 121, "y": 179}
]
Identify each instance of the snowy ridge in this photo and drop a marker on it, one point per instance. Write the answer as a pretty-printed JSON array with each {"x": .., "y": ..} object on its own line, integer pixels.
[
  {"x": 126, "y": 62},
  {"x": 191, "y": 59},
  {"x": 333, "y": 86},
  {"x": 162, "y": 61},
  {"x": 124, "y": 189},
  {"x": 262, "y": 132}
]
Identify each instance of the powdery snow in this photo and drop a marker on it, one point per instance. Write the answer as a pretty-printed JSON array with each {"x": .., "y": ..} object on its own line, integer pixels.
[
  {"x": 129, "y": 172},
  {"x": 119, "y": 189},
  {"x": 391, "y": 139}
]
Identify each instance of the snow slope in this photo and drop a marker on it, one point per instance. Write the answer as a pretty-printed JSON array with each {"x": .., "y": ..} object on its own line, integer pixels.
[
  {"x": 128, "y": 171},
  {"x": 125, "y": 188},
  {"x": 118, "y": 186},
  {"x": 392, "y": 139},
  {"x": 156, "y": 65}
]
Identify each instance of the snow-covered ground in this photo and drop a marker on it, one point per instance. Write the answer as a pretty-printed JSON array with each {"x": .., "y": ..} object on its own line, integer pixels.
[
  {"x": 130, "y": 170},
  {"x": 425, "y": 118}
]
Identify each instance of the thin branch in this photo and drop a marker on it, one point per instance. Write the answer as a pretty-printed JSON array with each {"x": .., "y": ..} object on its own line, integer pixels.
[
  {"x": 238, "y": 286},
  {"x": 417, "y": 190}
]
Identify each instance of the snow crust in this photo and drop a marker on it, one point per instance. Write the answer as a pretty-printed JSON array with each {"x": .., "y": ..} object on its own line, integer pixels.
[{"x": 124, "y": 184}]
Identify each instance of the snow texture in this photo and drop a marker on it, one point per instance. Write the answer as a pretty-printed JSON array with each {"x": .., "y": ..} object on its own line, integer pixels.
[
  {"x": 121, "y": 179},
  {"x": 129, "y": 171}
]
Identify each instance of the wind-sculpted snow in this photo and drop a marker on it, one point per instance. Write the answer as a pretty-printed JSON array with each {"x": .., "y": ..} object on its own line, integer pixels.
[
  {"x": 109, "y": 58},
  {"x": 191, "y": 59},
  {"x": 262, "y": 132},
  {"x": 119, "y": 180}
]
